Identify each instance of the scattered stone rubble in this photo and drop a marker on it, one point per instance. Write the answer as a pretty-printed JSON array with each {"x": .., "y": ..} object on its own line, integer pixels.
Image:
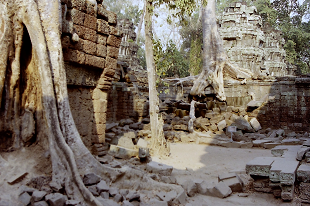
[{"x": 284, "y": 173}]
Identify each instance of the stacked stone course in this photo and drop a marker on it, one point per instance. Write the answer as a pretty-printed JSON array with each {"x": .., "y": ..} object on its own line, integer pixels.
[{"x": 91, "y": 42}]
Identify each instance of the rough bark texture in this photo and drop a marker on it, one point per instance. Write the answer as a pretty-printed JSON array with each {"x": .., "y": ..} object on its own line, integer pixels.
[
  {"x": 159, "y": 144},
  {"x": 215, "y": 60}
]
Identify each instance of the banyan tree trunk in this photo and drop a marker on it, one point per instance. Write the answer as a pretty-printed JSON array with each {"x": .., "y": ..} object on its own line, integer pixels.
[{"x": 215, "y": 60}]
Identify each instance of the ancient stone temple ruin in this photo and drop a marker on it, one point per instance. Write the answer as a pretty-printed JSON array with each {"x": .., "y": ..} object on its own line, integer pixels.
[
  {"x": 91, "y": 42},
  {"x": 251, "y": 45}
]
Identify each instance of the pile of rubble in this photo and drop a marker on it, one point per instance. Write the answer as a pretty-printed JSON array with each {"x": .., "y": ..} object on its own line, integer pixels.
[{"x": 283, "y": 174}]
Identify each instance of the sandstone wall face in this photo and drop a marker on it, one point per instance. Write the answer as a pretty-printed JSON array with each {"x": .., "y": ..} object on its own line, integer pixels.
[
  {"x": 91, "y": 41},
  {"x": 249, "y": 44}
]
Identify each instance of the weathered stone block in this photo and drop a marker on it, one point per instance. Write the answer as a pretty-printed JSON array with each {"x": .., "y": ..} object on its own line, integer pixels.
[
  {"x": 80, "y": 30},
  {"x": 101, "y": 50},
  {"x": 90, "y": 22},
  {"x": 77, "y": 17},
  {"x": 89, "y": 47},
  {"x": 112, "y": 52},
  {"x": 56, "y": 199},
  {"x": 91, "y": 8},
  {"x": 101, "y": 39},
  {"x": 74, "y": 56},
  {"x": 259, "y": 166},
  {"x": 78, "y": 4},
  {"x": 95, "y": 61},
  {"x": 90, "y": 35},
  {"x": 114, "y": 41},
  {"x": 111, "y": 63},
  {"x": 303, "y": 173},
  {"x": 255, "y": 124},
  {"x": 100, "y": 118},
  {"x": 221, "y": 190},
  {"x": 103, "y": 27},
  {"x": 162, "y": 169}
]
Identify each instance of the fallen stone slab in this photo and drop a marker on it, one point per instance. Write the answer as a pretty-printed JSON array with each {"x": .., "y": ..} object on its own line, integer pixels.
[
  {"x": 56, "y": 199},
  {"x": 102, "y": 187},
  {"x": 38, "y": 195},
  {"x": 231, "y": 144},
  {"x": 155, "y": 202},
  {"x": 301, "y": 152},
  {"x": 41, "y": 203},
  {"x": 132, "y": 195},
  {"x": 167, "y": 196},
  {"x": 225, "y": 176},
  {"x": 303, "y": 173},
  {"x": 93, "y": 190},
  {"x": 291, "y": 141},
  {"x": 221, "y": 125},
  {"x": 246, "y": 180},
  {"x": 259, "y": 166},
  {"x": 158, "y": 168},
  {"x": 234, "y": 184},
  {"x": 91, "y": 179},
  {"x": 260, "y": 142},
  {"x": 278, "y": 151},
  {"x": 107, "y": 202},
  {"x": 275, "y": 170},
  {"x": 125, "y": 153},
  {"x": 221, "y": 190},
  {"x": 254, "y": 104},
  {"x": 246, "y": 144},
  {"x": 17, "y": 178},
  {"x": 287, "y": 193},
  {"x": 111, "y": 126},
  {"x": 180, "y": 198},
  {"x": 25, "y": 198},
  {"x": 190, "y": 187},
  {"x": 255, "y": 124},
  {"x": 271, "y": 145},
  {"x": 306, "y": 143},
  {"x": 262, "y": 184},
  {"x": 72, "y": 202},
  {"x": 205, "y": 188},
  {"x": 127, "y": 203}
]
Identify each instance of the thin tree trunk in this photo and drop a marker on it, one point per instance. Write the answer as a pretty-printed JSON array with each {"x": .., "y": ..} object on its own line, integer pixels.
[
  {"x": 140, "y": 24},
  {"x": 159, "y": 145}
]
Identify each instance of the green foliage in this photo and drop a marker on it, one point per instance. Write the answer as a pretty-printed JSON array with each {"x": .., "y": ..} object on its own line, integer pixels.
[
  {"x": 169, "y": 61},
  {"x": 195, "y": 63},
  {"x": 125, "y": 9}
]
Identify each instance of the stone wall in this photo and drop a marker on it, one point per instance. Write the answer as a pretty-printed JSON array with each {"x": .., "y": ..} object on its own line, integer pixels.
[
  {"x": 91, "y": 42},
  {"x": 282, "y": 102},
  {"x": 129, "y": 95},
  {"x": 251, "y": 45}
]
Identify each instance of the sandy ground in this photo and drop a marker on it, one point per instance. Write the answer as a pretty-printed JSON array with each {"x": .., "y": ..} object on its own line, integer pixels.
[{"x": 193, "y": 161}]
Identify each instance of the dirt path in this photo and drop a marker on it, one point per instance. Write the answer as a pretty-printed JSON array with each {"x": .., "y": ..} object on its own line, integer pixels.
[{"x": 192, "y": 161}]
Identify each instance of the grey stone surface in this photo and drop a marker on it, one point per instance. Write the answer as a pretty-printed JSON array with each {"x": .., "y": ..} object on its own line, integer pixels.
[
  {"x": 72, "y": 202},
  {"x": 102, "y": 187},
  {"x": 41, "y": 203},
  {"x": 288, "y": 172},
  {"x": 113, "y": 191},
  {"x": 56, "y": 199},
  {"x": 107, "y": 202},
  {"x": 167, "y": 196},
  {"x": 278, "y": 151},
  {"x": 287, "y": 193},
  {"x": 190, "y": 187},
  {"x": 291, "y": 141},
  {"x": 221, "y": 190},
  {"x": 162, "y": 169},
  {"x": 91, "y": 179},
  {"x": 234, "y": 183},
  {"x": 93, "y": 190},
  {"x": 104, "y": 195},
  {"x": 127, "y": 203},
  {"x": 259, "y": 166},
  {"x": 224, "y": 176},
  {"x": 180, "y": 198},
  {"x": 221, "y": 125},
  {"x": 155, "y": 202},
  {"x": 132, "y": 195},
  {"x": 260, "y": 143},
  {"x": 38, "y": 195},
  {"x": 205, "y": 188},
  {"x": 24, "y": 198},
  {"x": 255, "y": 124},
  {"x": 301, "y": 152},
  {"x": 303, "y": 173},
  {"x": 118, "y": 198}
]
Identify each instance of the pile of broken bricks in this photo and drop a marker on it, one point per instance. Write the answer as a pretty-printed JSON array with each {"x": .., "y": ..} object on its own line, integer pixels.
[{"x": 283, "y": 174}]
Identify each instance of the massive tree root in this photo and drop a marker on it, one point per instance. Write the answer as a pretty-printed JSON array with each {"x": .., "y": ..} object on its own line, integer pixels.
[{"x": 215, "y": 60}]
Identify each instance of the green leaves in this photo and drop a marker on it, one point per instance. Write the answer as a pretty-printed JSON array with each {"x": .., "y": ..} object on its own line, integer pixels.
[{"x": 169, "y": 61}]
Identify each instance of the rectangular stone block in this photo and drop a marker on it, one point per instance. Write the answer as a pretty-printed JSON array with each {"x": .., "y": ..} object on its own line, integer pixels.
[
  {"x": 78, "y": 4},
  {"x": 89, "y": 47},
  {"x": 100, "y": 106},
  {"x": 259, "y": 166},
  {"x": 287, "y": 193},
  {"x": 115, "y": 31},
  {"x": 99, "y": 94},
  {"x": 99, "y": 129},
  {"x": 91, "y": 9},
  {"x": 74, "y": 56},
  {"x": 101, "y": 39},
  {"x": 80, "y": 30},
  {"x": 101, "y": 50},
  {"x": 106, "y": 15},
  {"x": 100, "y": 118},
  {"x": 65, "y": 42},
  {"x": 103, "y": 27},
  {"x": 94, "y": 61},
  {"x": 77, "y": 16},
  {"x": 90, "y": 22},
  {"x": 90, "y": 35},
  {"x": 112, "y": 52},
  {"x": 303, "y": 173},
  {"x": 111, "y": 63}
]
